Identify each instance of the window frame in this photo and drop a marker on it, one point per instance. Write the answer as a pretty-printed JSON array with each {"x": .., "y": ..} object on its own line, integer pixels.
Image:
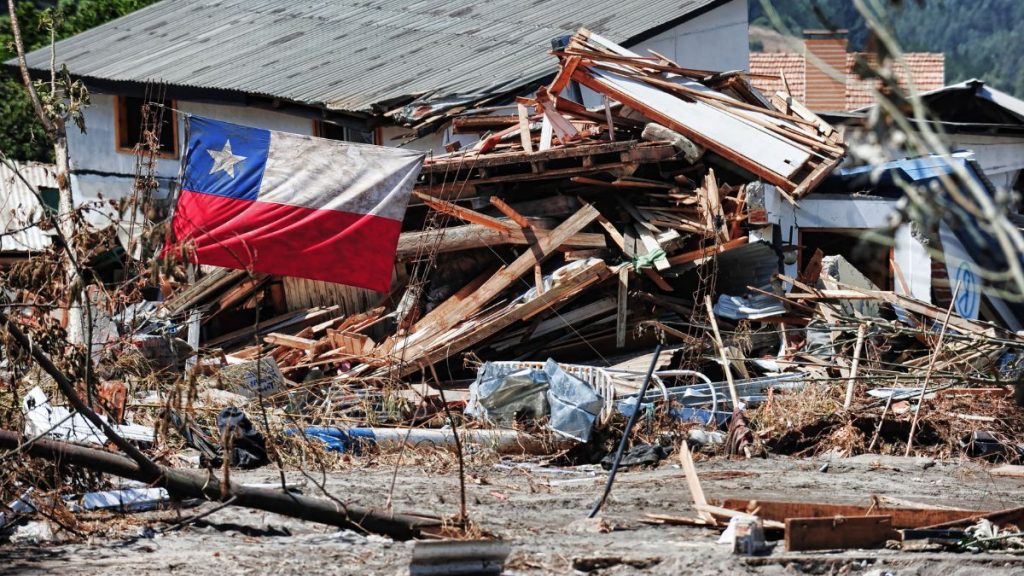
[
  {"x": 318, "y": 132},
  {"x": 121, "y": 127}
]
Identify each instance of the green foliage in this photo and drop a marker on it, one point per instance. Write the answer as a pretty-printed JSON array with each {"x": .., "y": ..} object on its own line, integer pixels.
[
  {"x": 981, "y": 38},
  {"x": 21, "y": 135}
]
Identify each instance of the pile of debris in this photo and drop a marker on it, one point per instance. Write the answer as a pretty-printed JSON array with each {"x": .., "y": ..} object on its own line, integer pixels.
[{"x": 536, "y": 271}]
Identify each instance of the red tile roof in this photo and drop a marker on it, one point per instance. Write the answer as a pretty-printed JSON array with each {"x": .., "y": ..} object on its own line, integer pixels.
[
  {"x": 926, "y": 68},
  {"x": 773, "y": 66}
]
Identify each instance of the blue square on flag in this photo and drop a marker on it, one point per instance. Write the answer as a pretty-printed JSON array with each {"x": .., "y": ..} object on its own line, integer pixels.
[{"x": 225, "y": 159}]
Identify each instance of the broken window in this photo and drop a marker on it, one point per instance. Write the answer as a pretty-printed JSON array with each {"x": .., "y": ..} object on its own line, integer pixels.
[
  {"x": 130, "y": 124},
  {"x": 867, "y": 250}
]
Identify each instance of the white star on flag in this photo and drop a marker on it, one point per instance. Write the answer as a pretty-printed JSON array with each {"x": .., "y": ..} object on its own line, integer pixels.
[{"x": 224, "y": 159}]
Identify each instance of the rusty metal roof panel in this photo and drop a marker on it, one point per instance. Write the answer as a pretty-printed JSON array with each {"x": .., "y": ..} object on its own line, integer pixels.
[{"x": 349, "y": 55}]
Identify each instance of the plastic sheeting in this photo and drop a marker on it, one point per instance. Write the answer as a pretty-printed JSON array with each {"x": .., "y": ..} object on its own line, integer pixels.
[{"x": 502, "y": 392}]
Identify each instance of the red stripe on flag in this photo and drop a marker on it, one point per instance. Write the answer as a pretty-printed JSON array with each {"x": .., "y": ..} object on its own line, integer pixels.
[{"x": 328, "y": 245}]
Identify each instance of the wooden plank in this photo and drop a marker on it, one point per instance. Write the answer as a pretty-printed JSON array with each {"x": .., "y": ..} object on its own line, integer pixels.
[
  {"x": 650, "y": 244},
  {"x": 608, "y": 118},
  {"x": 455, "y": 300},
  {"x": 350, "y": 342},
  {"x": 725, "y": 513},
  {"x": 726, "y": 363},
  {"x": 676, "y": 520},
  {"x": 298, "y": 319},
  {"x": 438, "y": 321},
  {"x": 564, "y": 76},
  {"x": 717, "y": 220},
  {"x": 566, "y": 319},
  {"x": 838, "y": 533},
  {"x": 1008, "y": 471},
  {"x": 525, "y": 137},
  {"x": 694, "y": 255},
  {"x": 813, "y": 179},
  {"x": 1013, "y": 516},
  {"x": 693, "y": 482},
  {"x": 623, "y": 308},
  {"x": 785, "y": 101},
  {"x": 902, "y": 517},
  {"x": 449, "y": 164},
  {"x": 545, "y": 134},
  {"x": 289, "y": 341}
]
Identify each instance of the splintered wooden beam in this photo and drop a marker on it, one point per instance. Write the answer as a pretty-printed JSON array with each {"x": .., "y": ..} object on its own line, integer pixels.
[
  {"x": 462, "y": 213},
  {"x": 838, "y": 532},
  {"x": 701, "y": 253},
  {"x": 510, "y": 212}
]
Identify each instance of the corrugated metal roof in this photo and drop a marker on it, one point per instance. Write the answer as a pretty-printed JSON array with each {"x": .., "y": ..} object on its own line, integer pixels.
[
  {"x": 351, "y": 54},
  {"x": 19, "y": 207}
]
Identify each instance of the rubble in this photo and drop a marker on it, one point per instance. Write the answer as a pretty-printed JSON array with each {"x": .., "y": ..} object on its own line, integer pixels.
[{"x": 537, "y": 269}]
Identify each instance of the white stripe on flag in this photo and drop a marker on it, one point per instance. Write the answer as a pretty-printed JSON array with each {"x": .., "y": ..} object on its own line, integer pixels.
[{"x": 323, "y": 174}]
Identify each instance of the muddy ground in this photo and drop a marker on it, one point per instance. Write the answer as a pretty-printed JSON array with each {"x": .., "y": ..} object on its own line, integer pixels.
[{"x": 539, "y": 511}]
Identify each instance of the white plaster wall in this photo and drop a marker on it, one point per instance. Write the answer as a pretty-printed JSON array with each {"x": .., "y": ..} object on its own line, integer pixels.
[
  {"x": 433, "y": 143},
  {"x": 101, "y": 172},
  {"x": 1001, "y": 157},
  {"x": 915, "y": 262},
  {"x": 715, "y": 40}
]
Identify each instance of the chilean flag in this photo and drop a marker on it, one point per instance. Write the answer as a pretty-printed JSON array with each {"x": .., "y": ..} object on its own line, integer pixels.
[{"x": 292, "y": 205}]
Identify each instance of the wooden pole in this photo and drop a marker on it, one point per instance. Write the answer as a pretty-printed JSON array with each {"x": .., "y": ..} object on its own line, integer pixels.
[
  {"x": 853, "y": 367},
  {"x": 931, "y": 365},
  {"x": 721, "y": 352},
  {"x": 189, "y": 484}
]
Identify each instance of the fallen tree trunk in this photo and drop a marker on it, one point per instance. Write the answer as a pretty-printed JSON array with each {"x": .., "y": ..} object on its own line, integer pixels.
[{"x": 189, "y": 484}]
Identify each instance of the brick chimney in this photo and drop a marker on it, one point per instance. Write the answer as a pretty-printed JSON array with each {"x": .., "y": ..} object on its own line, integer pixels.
[{"x": 825, "y": 53}]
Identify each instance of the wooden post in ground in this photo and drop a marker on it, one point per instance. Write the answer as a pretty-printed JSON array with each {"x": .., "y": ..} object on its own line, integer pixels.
[{"x": 721, "y": 352}]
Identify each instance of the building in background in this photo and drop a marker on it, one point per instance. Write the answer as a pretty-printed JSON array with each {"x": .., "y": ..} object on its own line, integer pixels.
[{"x": 822, "y": 77}]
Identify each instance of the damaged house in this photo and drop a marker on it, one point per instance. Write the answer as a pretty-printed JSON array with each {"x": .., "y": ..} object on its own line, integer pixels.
[
  {"x": 377, "y": 72},
  {"x": 611, "y": 232}
]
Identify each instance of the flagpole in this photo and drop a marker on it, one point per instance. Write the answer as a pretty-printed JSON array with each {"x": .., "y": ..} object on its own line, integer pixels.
[{"x": 194, "y": 315}]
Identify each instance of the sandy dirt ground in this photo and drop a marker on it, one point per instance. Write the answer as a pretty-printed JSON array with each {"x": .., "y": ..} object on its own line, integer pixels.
[{"x": 538, "y": 511}]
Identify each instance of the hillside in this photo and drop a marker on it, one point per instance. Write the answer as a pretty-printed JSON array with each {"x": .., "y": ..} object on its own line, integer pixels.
[{"x": 981, "y": 38}]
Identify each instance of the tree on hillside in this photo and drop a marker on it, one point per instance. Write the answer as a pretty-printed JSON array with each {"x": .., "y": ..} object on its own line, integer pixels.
[{"x": 21, "y": 134}]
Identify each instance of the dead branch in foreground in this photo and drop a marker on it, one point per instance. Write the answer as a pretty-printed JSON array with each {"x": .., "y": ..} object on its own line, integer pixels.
[{"x": 188, "y": 484}]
